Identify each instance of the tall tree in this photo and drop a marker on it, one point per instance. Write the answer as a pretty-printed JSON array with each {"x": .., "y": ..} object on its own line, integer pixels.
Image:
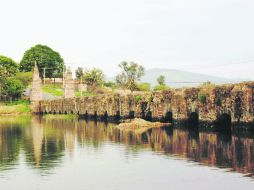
[
  {"x": 93, "y": 77},
  {"x": 131, "y": 73},
  {"x": 45, "y": 58},
  {"x": 161, "y": 80}
]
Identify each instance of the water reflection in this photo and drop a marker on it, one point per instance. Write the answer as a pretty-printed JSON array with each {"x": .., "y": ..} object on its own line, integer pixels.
[{"x": 45, "y": 142}]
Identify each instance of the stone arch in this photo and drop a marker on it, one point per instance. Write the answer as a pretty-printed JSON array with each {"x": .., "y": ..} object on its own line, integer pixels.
[
  {"x": 117, "y": 116},
  {"x": 238, "y": 107},
  {"x": 105, "y": 116},
  {"x": 168, "y": 118},
  {"x": 193, "y": 120},
  {"x": 95, "y": 115},
  {"x": 148, "y": 116},
  {"x": 223, "y": 122},
  {"x": 132, "y": 114}
]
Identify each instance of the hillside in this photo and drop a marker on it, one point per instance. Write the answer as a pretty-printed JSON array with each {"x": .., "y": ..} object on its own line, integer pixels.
[{"x": 178, "y": 78}]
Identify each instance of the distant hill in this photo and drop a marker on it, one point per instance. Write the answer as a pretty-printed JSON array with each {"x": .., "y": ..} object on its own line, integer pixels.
[{"x": 174, "y": 78}]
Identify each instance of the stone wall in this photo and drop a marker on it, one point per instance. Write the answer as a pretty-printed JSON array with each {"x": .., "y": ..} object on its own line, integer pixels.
[{"x": 208, "y": 103}]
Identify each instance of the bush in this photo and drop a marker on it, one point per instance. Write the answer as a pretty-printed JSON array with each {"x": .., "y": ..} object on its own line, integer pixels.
[
  {"x": 138, "y": 98},
  {"x": 25, "y": 78},
  {"x": 13, "y": 87},
  {"x": 144, "y": 86},
  {"x": 160, "y": 87},
  {"x": 110, "y": 84}
]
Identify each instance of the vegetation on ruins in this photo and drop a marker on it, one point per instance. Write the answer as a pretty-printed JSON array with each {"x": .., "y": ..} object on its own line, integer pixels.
[
  {"x": 138, "y": 98},
  {"x": 131, "y": 73},
  {"x": 45, "y": 58},
  {"x": 202, "y": 98}
]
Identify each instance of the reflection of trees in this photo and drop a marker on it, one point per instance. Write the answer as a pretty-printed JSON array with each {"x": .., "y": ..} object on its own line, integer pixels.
[
  {"x": 207, "y": 148},
  {"x": 45, "y": 141},
  {"x": 10, "y": 137}
]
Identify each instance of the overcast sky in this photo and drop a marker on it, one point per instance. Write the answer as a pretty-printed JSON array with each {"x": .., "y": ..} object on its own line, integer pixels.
[{"x": 213, "y": 37}]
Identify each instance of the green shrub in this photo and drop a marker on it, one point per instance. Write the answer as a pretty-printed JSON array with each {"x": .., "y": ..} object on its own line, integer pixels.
[
  {"x": 161, "y": 87},
  {"x": 13, "y": 87},
  {"x": 138, "y": 98},
  {"x": 144, "y": 86},
  {"x": 110, "y": 84},
  {"x": 202, "y": 98}
]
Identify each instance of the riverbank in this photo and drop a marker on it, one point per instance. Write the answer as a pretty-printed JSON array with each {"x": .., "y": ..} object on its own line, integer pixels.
[{"x": 15, "y": 108}]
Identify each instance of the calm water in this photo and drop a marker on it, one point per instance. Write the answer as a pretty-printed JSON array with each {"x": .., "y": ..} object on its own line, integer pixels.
[{"x": 36, "y": 153}]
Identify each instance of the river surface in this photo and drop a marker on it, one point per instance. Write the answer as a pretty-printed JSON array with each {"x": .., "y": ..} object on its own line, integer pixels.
[{"x": 42, "y": 153}]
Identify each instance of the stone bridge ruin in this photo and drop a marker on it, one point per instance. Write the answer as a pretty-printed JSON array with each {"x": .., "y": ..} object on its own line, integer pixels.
[
  {"x": 226, "y": 103},
  {"x": 231, "y": 102}
]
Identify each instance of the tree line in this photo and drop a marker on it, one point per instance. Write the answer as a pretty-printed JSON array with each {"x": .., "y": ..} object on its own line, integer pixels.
[
  {"x": 15, "y": 77},
  {"x": 129, "y": 78}
]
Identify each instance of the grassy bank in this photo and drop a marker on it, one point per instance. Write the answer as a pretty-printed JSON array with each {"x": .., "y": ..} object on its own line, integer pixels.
[
  {"x": 53, "y": 89},
  {"x": 15, "y": 108}
]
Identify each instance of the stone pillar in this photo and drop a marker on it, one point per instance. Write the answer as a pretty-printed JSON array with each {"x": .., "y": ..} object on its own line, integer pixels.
[
  {"x": 36, "y": 92},
  {"x": 68, "y": 85}
]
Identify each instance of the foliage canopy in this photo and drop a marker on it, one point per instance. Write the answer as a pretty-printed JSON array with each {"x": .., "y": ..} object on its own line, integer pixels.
[
  {"x": 130, "y": 74},
  {"x": 45, "y": 58}
]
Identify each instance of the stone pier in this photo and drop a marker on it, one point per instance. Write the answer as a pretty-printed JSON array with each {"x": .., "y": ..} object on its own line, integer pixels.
[{"x": 36, "y": 91}]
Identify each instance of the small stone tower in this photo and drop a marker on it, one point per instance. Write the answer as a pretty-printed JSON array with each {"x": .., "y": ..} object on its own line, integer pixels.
[
  {"x": 68, "y": 85},
  {"x": 36, "y": 93}
]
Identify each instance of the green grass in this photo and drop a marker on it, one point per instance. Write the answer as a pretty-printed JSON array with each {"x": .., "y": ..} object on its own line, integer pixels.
[
  {"x": 15, "y": 107},
  {"x": 53, "y": 89}
]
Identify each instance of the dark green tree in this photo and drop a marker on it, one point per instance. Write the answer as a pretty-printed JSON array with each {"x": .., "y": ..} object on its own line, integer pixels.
[
  {"x": 45, "y": 58},
  {"x": 161, "y": 80},
  {"x": 130, "y": 75},
  {"x": 13, "y": 87},
  {"x": 79, "y": 72}
]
